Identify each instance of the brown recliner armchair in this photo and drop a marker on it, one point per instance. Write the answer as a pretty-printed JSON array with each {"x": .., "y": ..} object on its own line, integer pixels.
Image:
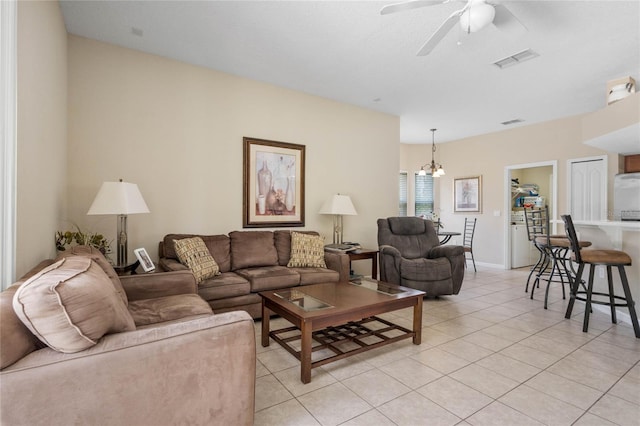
[{"x": 411, "y": 256}]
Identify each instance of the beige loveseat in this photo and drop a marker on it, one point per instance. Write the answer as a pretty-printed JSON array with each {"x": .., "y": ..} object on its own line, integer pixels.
[
  {"x": 251, "y": 262},
  {"x": 164, "y": 358}
]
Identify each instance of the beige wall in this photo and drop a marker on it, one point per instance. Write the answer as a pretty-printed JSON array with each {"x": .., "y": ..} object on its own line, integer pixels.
[
  {"x": 41, "y": 130},
  {"x": 488, "y": 155},
  {"x": 176, "y": 130}
]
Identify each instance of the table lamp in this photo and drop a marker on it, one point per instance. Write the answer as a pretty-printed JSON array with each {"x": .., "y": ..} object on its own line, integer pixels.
[
  {"x": 338, "y": 205},
  {"x": 119, "y": 198}
]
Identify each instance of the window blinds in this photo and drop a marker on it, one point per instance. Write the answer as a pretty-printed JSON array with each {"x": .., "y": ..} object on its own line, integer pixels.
[{"x": 424, "y": 195}]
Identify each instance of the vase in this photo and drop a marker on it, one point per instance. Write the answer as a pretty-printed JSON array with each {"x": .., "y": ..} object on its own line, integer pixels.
[
  {"x": 290, "y": 196},
  {"x": 264, "y": 179},
  {"x": 271, "y": 200}
]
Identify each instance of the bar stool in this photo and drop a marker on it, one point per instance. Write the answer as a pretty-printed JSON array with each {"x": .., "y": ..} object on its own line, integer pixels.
[
  {"x": 535, "y": 224},
  {"x": 551, "y": 266},
  {"x": 608, "y": 258}
]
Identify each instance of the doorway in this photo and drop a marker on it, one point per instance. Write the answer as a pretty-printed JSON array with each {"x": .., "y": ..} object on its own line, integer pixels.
[{"x": 546, "y": 175}]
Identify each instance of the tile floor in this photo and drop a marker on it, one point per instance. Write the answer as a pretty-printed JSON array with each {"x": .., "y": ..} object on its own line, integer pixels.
[{"x": 489, "y": 356}]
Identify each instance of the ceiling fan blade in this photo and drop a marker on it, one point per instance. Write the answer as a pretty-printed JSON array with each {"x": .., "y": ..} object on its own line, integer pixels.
[
  {"x": 408, "y": 5},
  {"x": 446, "y": 26},
  {"x": 506, "y": 21}
]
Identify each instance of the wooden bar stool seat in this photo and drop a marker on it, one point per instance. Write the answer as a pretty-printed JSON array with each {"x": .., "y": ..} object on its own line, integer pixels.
[
  {"x": 609, "y": 259},
  {"x": 606, "y": 257}
]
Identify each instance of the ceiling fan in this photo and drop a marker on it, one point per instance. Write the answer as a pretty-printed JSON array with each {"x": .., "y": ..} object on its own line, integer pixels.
[{"x": 474, "y": 16}]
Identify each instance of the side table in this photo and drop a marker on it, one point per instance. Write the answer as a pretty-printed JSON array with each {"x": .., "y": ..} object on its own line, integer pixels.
[
  {"x": 127, "y": 269},
  {"x": 362, "y": 254}
]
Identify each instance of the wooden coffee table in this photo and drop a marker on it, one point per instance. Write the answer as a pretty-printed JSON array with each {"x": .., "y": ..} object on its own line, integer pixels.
[{"x": 340, "y": 317}]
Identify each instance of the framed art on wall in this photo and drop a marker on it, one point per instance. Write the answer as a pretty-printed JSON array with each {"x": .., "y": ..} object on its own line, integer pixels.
[
  {"x": 467, "y": 194},
  {"x": 273, "y": 184}
]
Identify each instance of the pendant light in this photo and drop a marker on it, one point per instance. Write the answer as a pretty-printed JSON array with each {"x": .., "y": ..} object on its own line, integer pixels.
[{"x": 435, "y": 168}]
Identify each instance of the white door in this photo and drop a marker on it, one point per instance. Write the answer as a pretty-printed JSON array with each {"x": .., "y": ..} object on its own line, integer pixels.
[{"x": 588, "y": 193}]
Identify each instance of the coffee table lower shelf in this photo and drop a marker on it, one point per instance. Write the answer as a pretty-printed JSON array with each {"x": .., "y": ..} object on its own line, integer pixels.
[{"x": 344, "y": 340}]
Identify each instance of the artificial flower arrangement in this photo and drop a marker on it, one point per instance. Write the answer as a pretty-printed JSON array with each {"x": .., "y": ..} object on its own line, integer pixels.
[{"x": 79, "y": 237}]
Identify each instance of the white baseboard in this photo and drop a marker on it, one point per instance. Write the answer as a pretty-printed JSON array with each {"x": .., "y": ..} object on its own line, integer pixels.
[
  {"x": 621, "y": 316},
  {"x": 487, "y": 265}
]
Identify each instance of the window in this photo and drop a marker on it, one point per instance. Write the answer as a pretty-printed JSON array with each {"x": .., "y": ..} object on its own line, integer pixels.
[
  {"x": 424, "y": 195},
  {"x": 402, "y": 207}
]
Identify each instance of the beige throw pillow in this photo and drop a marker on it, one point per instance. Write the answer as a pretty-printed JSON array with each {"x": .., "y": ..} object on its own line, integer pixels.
[
  {"x": 71, "y": 304},
  {"x": 307, "y": 251},
  {"x": 194, "y": 254}
]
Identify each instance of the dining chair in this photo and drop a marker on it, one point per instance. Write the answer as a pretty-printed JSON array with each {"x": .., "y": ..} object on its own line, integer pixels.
[
  {"x": 467, "y": 240},
  {"x": 593, "y": 258}
]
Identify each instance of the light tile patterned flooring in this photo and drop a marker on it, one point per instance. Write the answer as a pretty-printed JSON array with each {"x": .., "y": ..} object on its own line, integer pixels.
[{"x": 489, "y": 356}]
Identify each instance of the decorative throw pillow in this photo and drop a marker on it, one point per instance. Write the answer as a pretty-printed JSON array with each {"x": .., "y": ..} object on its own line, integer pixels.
[
  {"x": 307, "y": 251},
  {"x": 71, "y": 304},
  {"x": 194, "y": 254},
  {"x": 95, "y": 255}
]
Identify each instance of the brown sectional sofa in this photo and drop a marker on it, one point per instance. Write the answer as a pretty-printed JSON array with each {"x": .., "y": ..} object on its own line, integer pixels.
[
  {"x": 251, "y": 262},
  {"x": 178, "y": 364}
]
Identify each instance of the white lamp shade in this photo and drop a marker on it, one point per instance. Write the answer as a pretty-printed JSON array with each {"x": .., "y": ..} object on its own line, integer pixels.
[
  {"x": 478, "y": 16},
  {"x": 339, "y": 204},
  {"x": 118, "y": 198}
]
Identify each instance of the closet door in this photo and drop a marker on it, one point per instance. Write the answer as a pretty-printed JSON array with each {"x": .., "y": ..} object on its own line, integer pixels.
[{"x": 588, "y": 189}]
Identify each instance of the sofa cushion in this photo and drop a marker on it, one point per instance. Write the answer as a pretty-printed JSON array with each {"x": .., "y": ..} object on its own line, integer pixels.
[
  {"x": 219, "y": 246},
  {"x": 307, "y": 251},
  {"x": 252, "y": 248},
  {"x": 71, "y": 304},
  {"x": 317, "y": 275},
  {"x": 228, "y": 284},
  {"x": 97, "y": 256},
  {"x": 270, "y": 277},
  {"x": 168, "y": 308},
  {"x": 16, "y": 341},
  {"x": 193, "y": 253}
]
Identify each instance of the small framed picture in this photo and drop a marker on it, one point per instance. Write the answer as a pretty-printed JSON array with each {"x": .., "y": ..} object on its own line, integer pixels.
[
  {"x": 145, "y": 260},
  {"x": 467, "y": 194}
]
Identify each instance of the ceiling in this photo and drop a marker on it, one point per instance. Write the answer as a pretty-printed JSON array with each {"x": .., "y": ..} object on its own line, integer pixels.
[{"x": 347, "y": 51}]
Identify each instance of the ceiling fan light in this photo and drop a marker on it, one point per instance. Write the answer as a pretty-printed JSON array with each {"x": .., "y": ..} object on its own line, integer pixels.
[{"x": 477, "y": 16}]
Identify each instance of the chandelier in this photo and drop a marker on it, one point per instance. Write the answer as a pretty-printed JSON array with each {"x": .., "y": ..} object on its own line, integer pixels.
[{"x": 436, "y": 168}]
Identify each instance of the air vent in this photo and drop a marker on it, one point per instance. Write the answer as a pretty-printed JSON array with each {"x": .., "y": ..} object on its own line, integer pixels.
[
  {"x": 516, "y": 58},
  {"x": 510, "y": 122}
]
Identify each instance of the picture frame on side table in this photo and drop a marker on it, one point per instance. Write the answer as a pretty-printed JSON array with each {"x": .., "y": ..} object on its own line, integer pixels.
[
  {"x": 273, "y": 184},
  {"x": 144, "y": 259},
  {"x": 467, "y": 194}
]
